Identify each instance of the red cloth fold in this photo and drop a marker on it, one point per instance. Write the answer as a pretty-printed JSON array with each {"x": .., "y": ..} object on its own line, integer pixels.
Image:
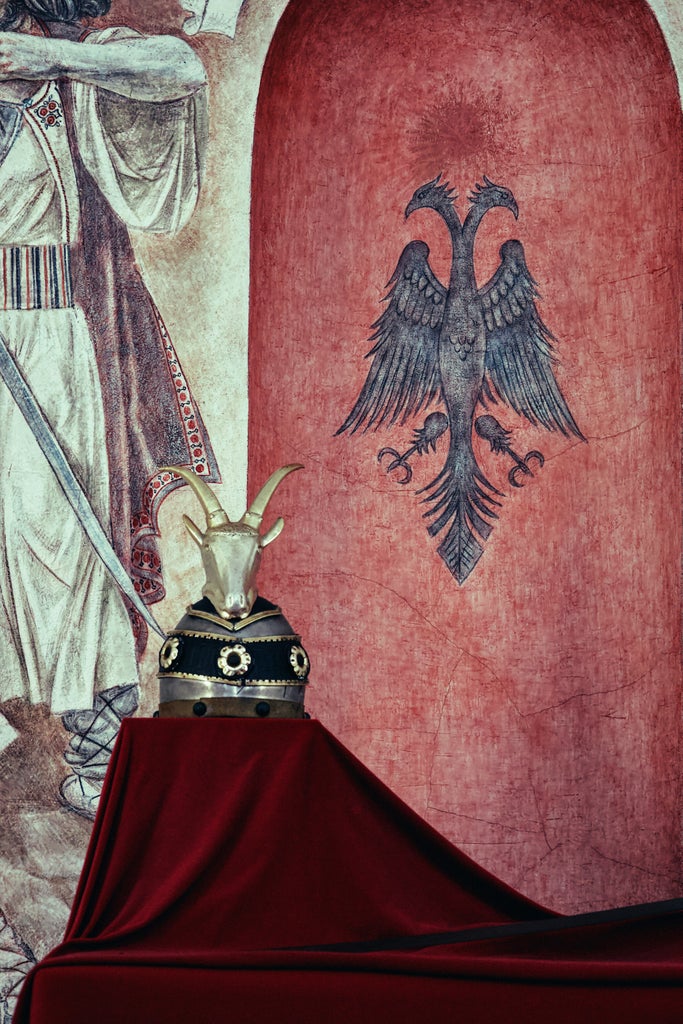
[{"x": 222, "y": 844}]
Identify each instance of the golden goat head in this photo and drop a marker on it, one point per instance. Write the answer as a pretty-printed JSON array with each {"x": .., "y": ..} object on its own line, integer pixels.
[{"x": 231, "y": 552}]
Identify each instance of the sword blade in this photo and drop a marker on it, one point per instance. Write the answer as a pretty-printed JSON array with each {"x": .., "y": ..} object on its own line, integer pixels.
[{"x": 75, "y": 495}]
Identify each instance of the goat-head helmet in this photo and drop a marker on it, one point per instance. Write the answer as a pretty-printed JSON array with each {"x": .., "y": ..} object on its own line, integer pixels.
[{"x": 231, "y": 551}]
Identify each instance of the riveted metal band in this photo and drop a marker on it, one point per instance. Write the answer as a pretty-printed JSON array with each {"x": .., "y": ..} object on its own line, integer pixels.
[{"x": 231, "y": 707}]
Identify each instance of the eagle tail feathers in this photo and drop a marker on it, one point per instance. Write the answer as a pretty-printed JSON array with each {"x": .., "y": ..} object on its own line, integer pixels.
[{"x": 463, "y": 502}]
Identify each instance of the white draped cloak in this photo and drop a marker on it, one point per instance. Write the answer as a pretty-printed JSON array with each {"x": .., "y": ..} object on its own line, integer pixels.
[{"x": 64, "y": 630}]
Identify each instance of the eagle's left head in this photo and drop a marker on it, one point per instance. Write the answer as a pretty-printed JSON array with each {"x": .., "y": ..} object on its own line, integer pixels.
[
  {"x": 488, "y": 195},
  {"x": 434, "y": 195}
]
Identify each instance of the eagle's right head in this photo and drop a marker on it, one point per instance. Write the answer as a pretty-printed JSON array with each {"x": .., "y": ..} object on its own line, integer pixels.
[
  {"x": 489, "y": 195},
  {"x": 434, "y": 195}
]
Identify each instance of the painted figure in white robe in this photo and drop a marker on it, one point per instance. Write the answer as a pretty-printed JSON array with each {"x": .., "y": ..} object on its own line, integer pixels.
[{"x": 99, "y": 130}]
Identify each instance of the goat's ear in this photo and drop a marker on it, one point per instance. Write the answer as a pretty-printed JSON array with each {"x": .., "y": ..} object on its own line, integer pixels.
[
  {"x": 193, "y": 530},
  {"x": 273, "y": 532}
]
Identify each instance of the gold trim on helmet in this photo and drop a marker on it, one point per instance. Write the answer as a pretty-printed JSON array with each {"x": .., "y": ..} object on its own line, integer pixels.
[
  {"x": 234, "y": 627},
  {"x": 234, "y": 660},
  {"x": 298, "y": 659},
  {"x": 169, "y": 652}
]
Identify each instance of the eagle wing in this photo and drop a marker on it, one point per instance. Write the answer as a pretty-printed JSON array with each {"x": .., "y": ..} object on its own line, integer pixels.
[
  {"x": 404, "y": 373},
  {"x": 519, "y": 350}
]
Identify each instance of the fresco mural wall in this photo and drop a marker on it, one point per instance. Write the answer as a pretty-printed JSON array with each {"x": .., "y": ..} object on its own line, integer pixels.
[
  {"x": 529, "y": 711},
  {"x": 53, "y": 742},
  {"x": 483, "y": 555}
]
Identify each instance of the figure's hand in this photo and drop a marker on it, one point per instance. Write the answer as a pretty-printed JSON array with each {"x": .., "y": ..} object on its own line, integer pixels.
[
  {"x": 25, "y": 56},
  {"x": 211, "y": 16}
]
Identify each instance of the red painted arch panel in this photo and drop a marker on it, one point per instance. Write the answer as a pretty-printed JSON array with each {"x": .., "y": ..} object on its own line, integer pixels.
[{"x": 532, "y": 711}]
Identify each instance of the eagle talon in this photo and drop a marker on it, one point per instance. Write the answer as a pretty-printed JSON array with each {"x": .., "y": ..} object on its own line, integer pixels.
[
  {"x": 398, "y": 460},
  {"x": 535, "y": 455},
  {"x": 523, "y": 466},
  {"x": 424, "y": 439},
  {"x": 498, "y": 437},
  {"x": 512, "y": 475}
]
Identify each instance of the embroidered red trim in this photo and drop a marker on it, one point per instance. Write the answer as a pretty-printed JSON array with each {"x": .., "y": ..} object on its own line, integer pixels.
[{"x": 146, "y": 568}]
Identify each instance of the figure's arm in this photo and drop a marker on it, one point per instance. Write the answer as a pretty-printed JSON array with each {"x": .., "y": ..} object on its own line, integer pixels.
[{"x": 152, "y": 68}]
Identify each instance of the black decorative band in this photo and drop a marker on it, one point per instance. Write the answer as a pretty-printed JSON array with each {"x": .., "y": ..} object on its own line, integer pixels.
[{"x": 243, "y": 661}]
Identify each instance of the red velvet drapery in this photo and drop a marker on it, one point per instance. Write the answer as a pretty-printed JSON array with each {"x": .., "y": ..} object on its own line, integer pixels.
[{"x": 223, "y": 847}]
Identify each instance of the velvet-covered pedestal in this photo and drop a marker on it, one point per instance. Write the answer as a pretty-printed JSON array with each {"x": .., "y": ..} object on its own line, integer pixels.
[{"x": 226, "y": 853}]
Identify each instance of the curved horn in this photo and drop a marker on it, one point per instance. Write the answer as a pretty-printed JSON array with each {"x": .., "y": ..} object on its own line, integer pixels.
[
  {"x": 254, "y": 514},
  {"x": 215, "y": 516}
]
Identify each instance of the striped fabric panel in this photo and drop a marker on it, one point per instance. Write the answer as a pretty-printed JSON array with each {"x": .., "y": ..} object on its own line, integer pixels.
[{"x": 36, "y": 277}]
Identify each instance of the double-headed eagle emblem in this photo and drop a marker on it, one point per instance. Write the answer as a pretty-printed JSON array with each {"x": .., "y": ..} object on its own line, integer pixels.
[{"x": 465, "y": 347}]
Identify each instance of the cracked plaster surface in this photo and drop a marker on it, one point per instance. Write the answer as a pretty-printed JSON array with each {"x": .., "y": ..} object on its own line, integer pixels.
[
  {"x": 522, "y": 793},
  {"x": 533, "y": 713}
]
